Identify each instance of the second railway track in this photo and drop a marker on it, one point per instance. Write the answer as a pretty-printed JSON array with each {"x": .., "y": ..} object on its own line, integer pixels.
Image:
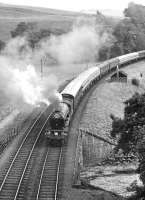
[
  {"x": 11, "y": 181},
  {"x": 33, "y": 171}
]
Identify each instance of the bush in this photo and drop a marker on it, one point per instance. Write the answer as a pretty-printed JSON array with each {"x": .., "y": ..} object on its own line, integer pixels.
[{"x": 135, "y": 82}]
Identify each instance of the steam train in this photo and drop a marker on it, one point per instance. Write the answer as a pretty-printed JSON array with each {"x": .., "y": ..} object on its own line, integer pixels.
[{"x": 77, "y": 88}]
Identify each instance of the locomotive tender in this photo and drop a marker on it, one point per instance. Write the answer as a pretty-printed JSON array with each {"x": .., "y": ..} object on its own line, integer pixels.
[{"x": 77, "y": 88}]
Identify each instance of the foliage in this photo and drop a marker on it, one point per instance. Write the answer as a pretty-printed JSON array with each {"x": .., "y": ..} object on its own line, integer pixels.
[
  {"x": 129, "y": 33},
  {"x": 29, "y": 30},
  {"x": 131, "y": 131},
  {"x": 123, "y": 36},
  {"x": 104, "y": 27},
  {"x": 125, "y": 32},
  {"x": 131, "y": 30},
  {"x": 35, "y": 37},
  {"x": 2, "y": 45},
  {"x": 128, "y": 130},
  {"x": 135, "y": 82},
  {"x": 22, "y": 28}
]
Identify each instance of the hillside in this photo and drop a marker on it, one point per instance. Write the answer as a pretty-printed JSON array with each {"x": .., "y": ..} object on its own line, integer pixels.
[
  {"x": 10, "y": 16},
  {"x": 27, "y": 11}
]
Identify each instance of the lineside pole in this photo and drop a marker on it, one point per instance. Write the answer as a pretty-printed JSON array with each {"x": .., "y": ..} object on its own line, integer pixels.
[{"x": 41, "y": 68}]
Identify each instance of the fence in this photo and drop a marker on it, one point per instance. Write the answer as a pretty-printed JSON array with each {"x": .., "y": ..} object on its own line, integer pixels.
[{"x": 95, "y": 148}]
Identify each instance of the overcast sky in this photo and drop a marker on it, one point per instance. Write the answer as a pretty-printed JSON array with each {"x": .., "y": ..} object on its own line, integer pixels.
[{"x": 76, "y": 5}]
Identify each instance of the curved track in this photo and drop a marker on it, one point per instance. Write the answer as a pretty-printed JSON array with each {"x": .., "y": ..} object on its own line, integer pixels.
[{"x": 35, "y": 171}]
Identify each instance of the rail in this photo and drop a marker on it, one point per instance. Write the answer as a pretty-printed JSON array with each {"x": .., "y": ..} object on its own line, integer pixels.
[
  {"x": 20, "y": 149},
  {"x": 26, "y": 157},
  {"x": 50, "y": 174},
  {"x": 37, "y": 197},
  {"x": 57, "y": 177},
  {"x": 30, "y": 156},
  {"x": 77, "y": 161}
]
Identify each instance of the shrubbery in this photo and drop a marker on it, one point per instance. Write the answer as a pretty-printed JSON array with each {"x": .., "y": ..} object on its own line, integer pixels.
[
  {"x": 129, "y": 33},
  {"x": 130, "y": 132},
  {"x": 135, "y": 82}
]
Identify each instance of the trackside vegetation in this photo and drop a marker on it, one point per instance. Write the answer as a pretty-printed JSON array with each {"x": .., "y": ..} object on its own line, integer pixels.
[
  {"x": 124, "y": 35},
  {"x": 130, "y": 134}
]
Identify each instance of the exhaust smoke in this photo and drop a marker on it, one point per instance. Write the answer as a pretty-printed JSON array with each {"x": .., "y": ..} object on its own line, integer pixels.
[{"x": 20, "y": 82}]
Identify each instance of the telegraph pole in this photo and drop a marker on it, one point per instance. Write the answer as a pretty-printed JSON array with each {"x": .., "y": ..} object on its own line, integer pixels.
[
  {"x": 117, "y": 69},
  {"x": 41, "y": 68}
]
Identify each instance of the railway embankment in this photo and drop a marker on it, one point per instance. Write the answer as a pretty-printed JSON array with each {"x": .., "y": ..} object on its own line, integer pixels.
[
  {"x": 100, "y": 167},
  {"x": 12, "y": 132},
  {"x": 74, "y": 162},
  {"x": 14, "y": 123}
]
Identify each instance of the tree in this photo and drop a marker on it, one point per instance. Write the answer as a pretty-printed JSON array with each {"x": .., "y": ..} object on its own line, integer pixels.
[
  {"x": 34, "y": 37},
  {"x": 23, "y": 28},
  {"x": 128, "y": 129},
  {"x": 104, "y": 28},
  {"x": 2, "y": 45},
  {"x": 136, "y": 13},
  {"x": 131, "y": 30},
  {"x": 29, "y": 30},
  {"x": 130, "y": 132},
  {"x": 129, "y": 33},
  {"x": 126, "y": 32}
]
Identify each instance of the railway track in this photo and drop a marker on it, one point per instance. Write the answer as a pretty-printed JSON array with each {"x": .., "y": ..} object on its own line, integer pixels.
[
  {"x": 11, "y": 181},
  {"x": 33, "y": 165},
  {"x": 49, "y": 181}
]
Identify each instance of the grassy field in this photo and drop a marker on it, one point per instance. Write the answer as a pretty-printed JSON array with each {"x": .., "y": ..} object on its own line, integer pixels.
[
  {"x": 17, "y": 10},
  {"x": 8, "y": 24},
  {"x": 46, "y": 18},
  {"x": 107, "y": 99}
]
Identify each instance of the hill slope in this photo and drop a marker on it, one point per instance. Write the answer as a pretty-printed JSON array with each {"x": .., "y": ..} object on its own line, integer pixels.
[
  {"x": 10, "y": 16},
  {"x": 21, "y": 11}
]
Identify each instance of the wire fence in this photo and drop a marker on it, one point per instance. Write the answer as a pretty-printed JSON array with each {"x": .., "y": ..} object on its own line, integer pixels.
[{"x": 94, "y": 148}]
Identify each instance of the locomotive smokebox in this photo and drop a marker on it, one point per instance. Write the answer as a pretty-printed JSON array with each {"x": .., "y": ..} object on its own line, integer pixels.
[
  {"x": 59, "y": 116},
  {"x": 57, "y": 121}
]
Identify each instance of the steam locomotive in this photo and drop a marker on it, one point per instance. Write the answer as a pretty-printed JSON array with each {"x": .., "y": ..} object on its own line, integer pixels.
[
  {"x": 77, "y": 88},
  {"x": 59, "y": 122}
]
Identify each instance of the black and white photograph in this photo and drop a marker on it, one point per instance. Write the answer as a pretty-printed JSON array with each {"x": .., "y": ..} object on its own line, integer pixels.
[{"x": 72, "y": 100}]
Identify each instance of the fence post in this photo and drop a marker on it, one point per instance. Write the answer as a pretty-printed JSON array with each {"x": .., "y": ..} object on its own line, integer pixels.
[{"x": 77, "y": 165}]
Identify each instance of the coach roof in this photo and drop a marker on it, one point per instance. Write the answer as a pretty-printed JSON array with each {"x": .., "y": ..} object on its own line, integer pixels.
[{"x": 74, "y": 86}]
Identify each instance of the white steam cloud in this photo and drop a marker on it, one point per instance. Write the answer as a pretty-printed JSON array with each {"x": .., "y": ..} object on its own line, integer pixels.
[
  {"x": 78, "y": 46},
  {"x": 29, "y": 86},
  {"x": 19, "y": 80},
  {"x": 81, "y": 45},
  {"x": 21, "y": 84}
]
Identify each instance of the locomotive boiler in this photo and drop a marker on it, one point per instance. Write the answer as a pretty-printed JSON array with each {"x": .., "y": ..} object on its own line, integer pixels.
[{"x": 58, "y": 123}]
